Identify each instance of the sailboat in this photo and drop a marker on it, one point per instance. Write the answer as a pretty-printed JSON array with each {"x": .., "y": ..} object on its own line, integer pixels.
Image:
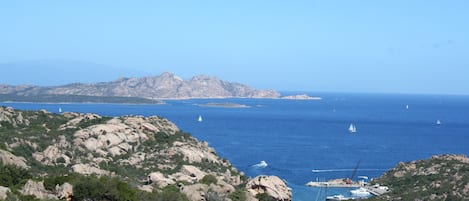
[
  {"x": 60, "y": 110},
  {"x": 200, "y": 118},
  {"x": 438, "y": 122},
  {"x": 352, "y": 128}
]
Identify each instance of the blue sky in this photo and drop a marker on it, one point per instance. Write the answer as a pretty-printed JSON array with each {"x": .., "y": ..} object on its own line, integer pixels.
[{"x": 339, "y": 46}]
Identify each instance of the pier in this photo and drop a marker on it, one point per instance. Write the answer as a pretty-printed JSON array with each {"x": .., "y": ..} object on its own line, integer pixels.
[
  {"x": 376, "y": 191},
  {"x": 332, "y": 184}
]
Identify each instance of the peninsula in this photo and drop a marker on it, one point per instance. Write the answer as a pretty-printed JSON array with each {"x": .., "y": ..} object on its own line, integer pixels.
[{"x": 138, "y": 90}]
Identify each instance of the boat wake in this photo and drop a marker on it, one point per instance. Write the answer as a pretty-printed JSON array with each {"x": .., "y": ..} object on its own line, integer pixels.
[
  {"x": 344, "y": 170},
  {"x": 261, "y": 164}
]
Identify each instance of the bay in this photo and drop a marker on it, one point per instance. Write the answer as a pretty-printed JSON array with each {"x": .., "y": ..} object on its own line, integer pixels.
[{"x": 295, "y": 137}]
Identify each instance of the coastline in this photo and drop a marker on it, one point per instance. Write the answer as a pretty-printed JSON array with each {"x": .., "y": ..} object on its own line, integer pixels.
[
  {"x": 224, "y": 105},
  {"x": 85, "y": 103},
  {"x": 161, "y": 101}
]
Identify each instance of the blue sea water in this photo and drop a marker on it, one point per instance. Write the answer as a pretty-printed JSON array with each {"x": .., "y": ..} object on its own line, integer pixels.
[{"x": 294, "y": 137}]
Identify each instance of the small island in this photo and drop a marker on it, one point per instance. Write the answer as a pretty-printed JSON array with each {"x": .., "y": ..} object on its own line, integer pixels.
[
  {"x": 301, "y": 97},
  {"x": 224, "y": 105}
]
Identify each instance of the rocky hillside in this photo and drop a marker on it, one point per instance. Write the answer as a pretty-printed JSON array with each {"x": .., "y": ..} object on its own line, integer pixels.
[
  {"x": 90, "y": 157},
  {"x": 443, "y": 177},
  {"x": 165, "y": 86}
]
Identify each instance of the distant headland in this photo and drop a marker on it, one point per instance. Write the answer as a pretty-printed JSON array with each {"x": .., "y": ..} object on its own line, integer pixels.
[{"x": 140, "y": 90}]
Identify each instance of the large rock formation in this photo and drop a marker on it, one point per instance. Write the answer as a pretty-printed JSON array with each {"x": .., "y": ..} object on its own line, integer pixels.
[
  {"x": 8, "y": 115},
  {"x": 64, "y": 191},
  {"x": 37, "y": 190},
  {"x": 165, "y": 86},
  {"x": 4, "y": 192},
  {"x": 271, "y": 185},
  {"x": 8, "y": 158}
]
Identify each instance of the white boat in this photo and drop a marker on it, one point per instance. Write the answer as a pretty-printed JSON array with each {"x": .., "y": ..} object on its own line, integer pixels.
[
  {"x": 363, "y": 177},
  {"x": 60, "y": 110},
  {"x": 336, "y": 197},
  {"x": 407, "y": 107},
  {"x": 200, "y": 119},
  {"x": 352, "y": 128},
  {"x": 360, "y": 192},
  {"x": 261, "y": 164},
  {"x": 438, "y": 122}
]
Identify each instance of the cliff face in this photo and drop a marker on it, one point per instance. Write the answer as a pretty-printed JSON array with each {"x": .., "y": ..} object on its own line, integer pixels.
[
  {"x": 165, "y": 86},
  {"x": 443, "y": 177}
]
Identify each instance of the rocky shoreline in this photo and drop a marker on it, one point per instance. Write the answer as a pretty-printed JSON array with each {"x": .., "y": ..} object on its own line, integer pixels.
[{"x": 149, "y": 154}]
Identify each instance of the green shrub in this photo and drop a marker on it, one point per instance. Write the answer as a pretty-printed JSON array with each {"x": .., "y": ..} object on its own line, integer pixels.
[
  {"x": 264, "y": 197},
  {"x": 104, "y": 188},
  {"x": 88, "y": 188},
  {"x": 27, "y": 198},
  {"x": 60, "y": 160},
  {"x": 171, "y": 193},
  {"x": 209, "y": 179},
  {"x": 51, "y": 182},
  {"x": 11, "y": 175},
  {"x": 238, "y": 195}
]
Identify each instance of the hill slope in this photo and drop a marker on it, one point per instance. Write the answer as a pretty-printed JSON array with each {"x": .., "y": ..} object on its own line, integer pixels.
[
  {"x": 148, "y": 153},
  {"x": 89, "y": 157},
  {"x": 164, "y": 86},
  {"x": 443, "y": 177}
]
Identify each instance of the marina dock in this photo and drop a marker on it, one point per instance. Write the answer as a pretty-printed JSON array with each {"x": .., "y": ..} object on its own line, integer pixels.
[
  {"x": 376, "y": 191},
  {"x": 332, "y": 184}
]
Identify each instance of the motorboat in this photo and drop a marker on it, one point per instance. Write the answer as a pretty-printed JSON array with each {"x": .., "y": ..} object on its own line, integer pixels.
[{"x": 360, "y": 192}]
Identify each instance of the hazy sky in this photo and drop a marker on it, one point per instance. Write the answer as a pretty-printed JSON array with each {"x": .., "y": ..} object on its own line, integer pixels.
[{"x": 347, "y": 46}]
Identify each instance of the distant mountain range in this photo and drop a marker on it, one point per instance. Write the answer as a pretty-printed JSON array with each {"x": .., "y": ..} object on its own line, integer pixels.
[{"x": 164, "y": 86}]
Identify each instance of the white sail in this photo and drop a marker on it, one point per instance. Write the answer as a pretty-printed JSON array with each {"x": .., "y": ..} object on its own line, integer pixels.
[
  {"x": 60, "y": 110},
  {"x": 438, "y": 122},
  {"x": 352, "y": 128},
  {"x": 200, "y": 119}
]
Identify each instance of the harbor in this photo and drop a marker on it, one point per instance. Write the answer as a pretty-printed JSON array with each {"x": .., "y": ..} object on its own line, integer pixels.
[
  {"x": 332, "y": 184},
  {"x": 361, "y": 188}
]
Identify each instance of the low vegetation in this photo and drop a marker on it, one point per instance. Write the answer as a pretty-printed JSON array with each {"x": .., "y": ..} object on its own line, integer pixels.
[
  {"x": 444, "y": 177},
  {"x": 48, "y": 144}
]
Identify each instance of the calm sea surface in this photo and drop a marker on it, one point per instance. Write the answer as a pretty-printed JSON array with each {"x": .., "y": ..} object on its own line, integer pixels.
[{"x": 296, "y": 137}]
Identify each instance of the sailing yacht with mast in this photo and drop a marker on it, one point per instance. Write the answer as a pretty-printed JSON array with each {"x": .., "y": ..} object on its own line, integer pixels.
[
  {"x": 200, "y": 118},
  {"x": 352, "y": 128}
]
